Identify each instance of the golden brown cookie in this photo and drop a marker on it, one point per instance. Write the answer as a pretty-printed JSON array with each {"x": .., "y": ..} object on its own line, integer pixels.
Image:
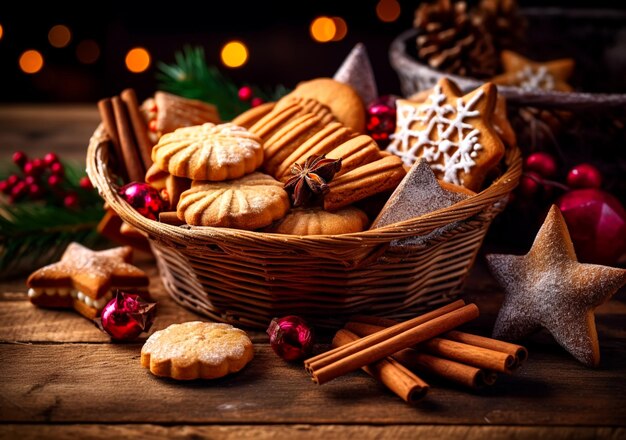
[
  {"x": 365, "y": 181},
  {"x": 317, "y": 221},
  {"x": 355, "y": 152},
  {"x": 344, "y": 102},
  {"x": 453, "y": 132},
  {"x": 197, "y": 350},
  {"x": 209, "y": 152},
  {"x": 248, "y": 118},
  {"x": 532, "y": 75},
  {"x": 251, "y": 202},
  {"x": 171, "y": 112},
  {"x": 286, "y": 110},
  {"x": 84, "y": 279}
]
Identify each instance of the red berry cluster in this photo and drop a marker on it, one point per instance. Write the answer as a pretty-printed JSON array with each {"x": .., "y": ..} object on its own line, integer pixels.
[
  {"x": 247, "y": 94},
  {"x": 40, "y": 178},
  {"x": 541, "y": 168}
]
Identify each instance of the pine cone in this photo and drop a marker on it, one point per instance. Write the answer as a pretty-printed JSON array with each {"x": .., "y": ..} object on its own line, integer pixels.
[
  {"x": 449, "y": 41},
  {"x": 502, "y": 19}
]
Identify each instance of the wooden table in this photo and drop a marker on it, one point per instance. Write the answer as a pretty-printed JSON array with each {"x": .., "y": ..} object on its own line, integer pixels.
[{"x": 61, "y": 377}]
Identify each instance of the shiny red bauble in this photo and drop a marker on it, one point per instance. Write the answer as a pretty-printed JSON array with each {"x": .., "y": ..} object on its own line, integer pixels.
[
  {"x": 584, "y": 175},
  {"x": 144, "y": 198},
  {"x": 126, "y": 316},
  {"x": 597, "y": 224},
  {"x": 542, "y": 163},
  {"x": 291, "y": 338},
  {"x": 381, "y": 119}
]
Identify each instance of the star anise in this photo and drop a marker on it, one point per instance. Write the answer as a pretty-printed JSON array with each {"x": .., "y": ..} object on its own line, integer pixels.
[{"x": 311, "y": 178}]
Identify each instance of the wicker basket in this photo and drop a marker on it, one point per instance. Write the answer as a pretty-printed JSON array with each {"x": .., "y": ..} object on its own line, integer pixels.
[{"x": 247, "y": 278}]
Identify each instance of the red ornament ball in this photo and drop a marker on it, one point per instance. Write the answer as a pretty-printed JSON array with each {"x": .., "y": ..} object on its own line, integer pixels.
[
  {"x": 381, "y": 119},
  {"x": 584, "y": 175},
  {"x": 126, "y": 316},
  {"x": 597, "y": 224},
  {"x": 144, "y": 198},
  {"x": 291, "y": 337},
  {"x": 542, "y": 163},
  {"x": 245, "y": 93}
]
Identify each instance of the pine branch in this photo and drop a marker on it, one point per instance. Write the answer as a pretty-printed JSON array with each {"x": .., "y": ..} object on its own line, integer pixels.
[{"x": 192, "y": 78}]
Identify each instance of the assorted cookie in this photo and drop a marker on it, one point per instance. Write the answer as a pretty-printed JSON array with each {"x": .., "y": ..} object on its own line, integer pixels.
[
  {"x": 197, "y": 350},
  {"x": 530, "y": 75},
  {"x": 85, "y": 280},
  {"x": 453, "y": 132},
  {"x": 317, "y": 221}
]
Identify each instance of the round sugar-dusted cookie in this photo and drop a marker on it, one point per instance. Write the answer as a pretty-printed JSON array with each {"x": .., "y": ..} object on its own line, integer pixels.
[
  {"x": 252, "y": 202},
  {"x": 197, "y": 350},
  {"x": 209, "y": 152}
]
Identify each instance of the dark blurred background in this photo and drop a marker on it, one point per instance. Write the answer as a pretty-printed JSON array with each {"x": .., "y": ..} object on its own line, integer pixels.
[{"x": 91, "y": 63}]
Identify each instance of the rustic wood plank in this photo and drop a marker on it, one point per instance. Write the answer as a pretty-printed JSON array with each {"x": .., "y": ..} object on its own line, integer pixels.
[
  {"x": 37, "y": 129},
  {"x": 104, "y": 383},
  {"x": 306, "y": 432}
]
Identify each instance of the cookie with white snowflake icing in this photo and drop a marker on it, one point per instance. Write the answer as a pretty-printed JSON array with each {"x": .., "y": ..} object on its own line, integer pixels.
[{"x": 453, "y": 132}]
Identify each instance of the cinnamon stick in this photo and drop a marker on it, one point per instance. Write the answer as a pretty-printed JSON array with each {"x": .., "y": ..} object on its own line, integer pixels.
[
  {"x": 375, "y": 349},
  {"x": 105, "y": 108},
  {"x": 456, "y": 372},
  {"x": 130, "y": 154},
  {"x": 323, "y": 359},
  {"x": 520, "y": 353},
  {"x": 389, "y": 371},
  {"x": 139, "y": 126},
  {"x": 457, "y": 351}
]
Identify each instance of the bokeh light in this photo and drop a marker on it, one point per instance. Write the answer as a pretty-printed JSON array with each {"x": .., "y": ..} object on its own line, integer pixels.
[
  {"x": 31, "y": 61},
  {"x": 1, "y": 32},
  {"x": 234, "y": 54},
  {"x": 87, "y": 51},
  {"x": 137, "y": 60},
  {"x": 323, "y": 29},
  {"x": 341, "y": 28},
  {"x": 388, "y": 10},
  {"x": 59, "y": 36}
]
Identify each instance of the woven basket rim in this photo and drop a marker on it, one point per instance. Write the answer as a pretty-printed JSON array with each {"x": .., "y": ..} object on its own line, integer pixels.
[
  {"x": 404, "y": 64},
  {"x": 97, "y": 168}
]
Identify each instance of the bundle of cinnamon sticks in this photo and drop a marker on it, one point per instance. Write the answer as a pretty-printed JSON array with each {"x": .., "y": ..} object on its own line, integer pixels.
[{"x": 429, "y": 344}]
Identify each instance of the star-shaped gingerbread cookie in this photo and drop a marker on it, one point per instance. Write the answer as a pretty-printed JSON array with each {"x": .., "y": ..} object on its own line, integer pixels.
[
  {"x": 532, "y": 75},
  {"x": 549, "y": 288},
  {"x": 84, "y": 279},
  {"x": 453, "y": 132}
]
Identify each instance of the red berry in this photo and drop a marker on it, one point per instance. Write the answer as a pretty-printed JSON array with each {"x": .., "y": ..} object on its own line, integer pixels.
[
  {"x": 35, "y": 191},
  {"x": 70, "y": 200},
  {"x": 541, "y": 163},
  {"x": 529, "y": 184},
  {"x": 20, "y": 158},
  {"x": 85, "y": 183},
  {"x": 245, "y": 93},
  {"x": 584, "y": 175},
  {"x": 50, "y": 158},
  {"x": 34, "y": 167},
  {"x": 57, "y": 168},
  {"x": 54, "y": 180},
  {"x": 256, "y": 101},
  {"x": 4, "y": 187},
  {"x": 12, "y": 180},
  {"x": 30, "y": 180},
  {"x": 19, "y": 190}
]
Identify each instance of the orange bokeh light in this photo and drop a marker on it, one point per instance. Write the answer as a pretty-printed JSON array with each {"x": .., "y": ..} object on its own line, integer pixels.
[
  {"x": 59, "y": 36},
  {"x": 341, "y": 28},
  {"x": 87, "y": 51},
  {"x": 323, "y": 29},
  {"x": 138, "y": 60},
  {"x": 31, "y": 61},
  {"x": 234, "y": 54},
  {"x": 388, "y": 10},
  {"x": 1, "y": 32}
]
